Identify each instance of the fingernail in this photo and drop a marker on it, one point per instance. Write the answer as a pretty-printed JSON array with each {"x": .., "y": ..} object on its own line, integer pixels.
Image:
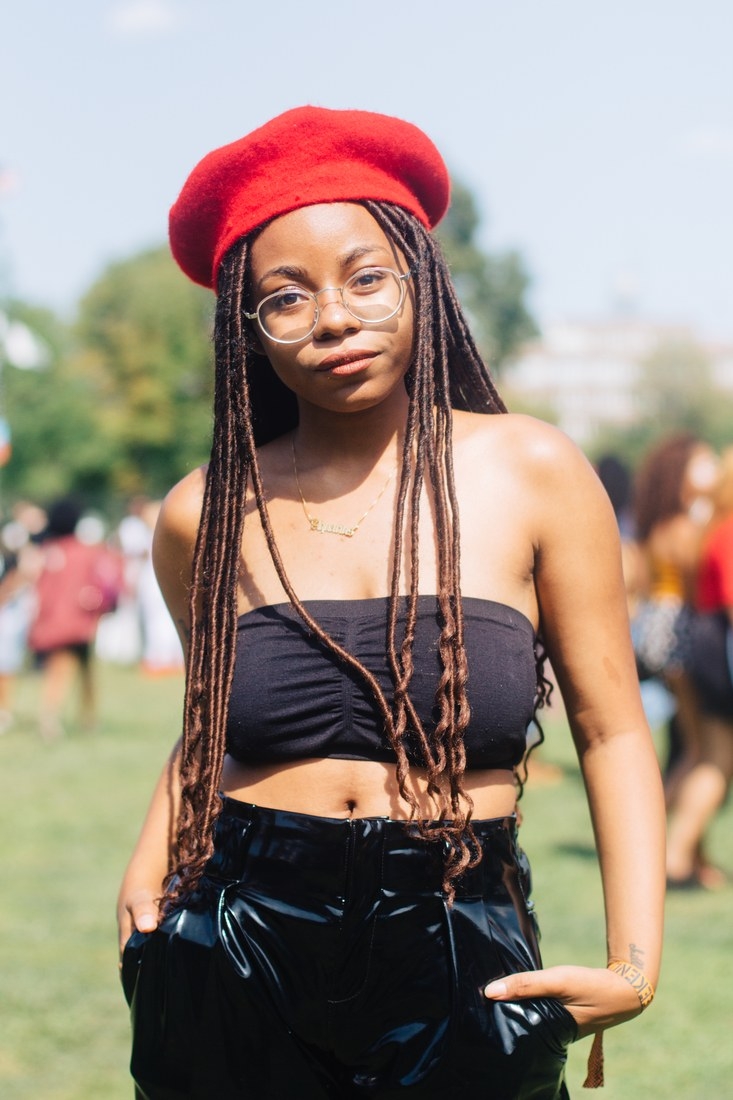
[
  {"x": 495, "y": 989},
  {"x": 146, "y": 923}
]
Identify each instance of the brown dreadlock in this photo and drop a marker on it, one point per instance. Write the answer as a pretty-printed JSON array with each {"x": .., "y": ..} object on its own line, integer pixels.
[{"x": 252, "y": 407}]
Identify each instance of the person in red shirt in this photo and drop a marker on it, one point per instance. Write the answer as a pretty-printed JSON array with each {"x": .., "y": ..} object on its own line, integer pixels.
[
  {"x": 715, "y": 575},
  {"x": 77, "y": 583},
  {"x": 706, "y": 786}
]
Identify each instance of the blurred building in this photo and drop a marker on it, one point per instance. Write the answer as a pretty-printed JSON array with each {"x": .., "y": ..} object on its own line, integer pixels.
[{"x": 586, "y": 373}]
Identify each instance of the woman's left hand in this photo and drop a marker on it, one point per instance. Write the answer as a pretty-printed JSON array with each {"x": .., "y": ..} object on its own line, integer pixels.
[{"x": 595, "y": 998}]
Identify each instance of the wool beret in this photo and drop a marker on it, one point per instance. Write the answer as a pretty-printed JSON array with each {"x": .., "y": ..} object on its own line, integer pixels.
[{"x": 305, "y": 156}]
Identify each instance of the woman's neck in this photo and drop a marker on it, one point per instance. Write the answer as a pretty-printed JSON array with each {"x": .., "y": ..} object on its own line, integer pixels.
[{"x": 351, "y": 439}]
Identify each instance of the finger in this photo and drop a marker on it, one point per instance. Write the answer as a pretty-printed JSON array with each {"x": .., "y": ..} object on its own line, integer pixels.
[
  {"x": 141, "y": 916},
  {"x": 553, "y": 982},
  {"x": 145, "y": 917},
  {"x": 512, "y": 988}
]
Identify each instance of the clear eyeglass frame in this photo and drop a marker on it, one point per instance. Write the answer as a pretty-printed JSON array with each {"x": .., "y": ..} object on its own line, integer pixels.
[{"x": 400, "y": 278}]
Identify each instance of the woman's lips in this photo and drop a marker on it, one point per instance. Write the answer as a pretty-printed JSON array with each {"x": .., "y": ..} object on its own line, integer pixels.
[{"x": 347, "y": 364}]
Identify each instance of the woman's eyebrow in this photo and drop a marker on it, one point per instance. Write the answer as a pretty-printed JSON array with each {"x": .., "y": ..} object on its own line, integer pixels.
[
  {"x": 359, "y": 252},
  {"x": 299, "y": 274},
  {"x": 284, "y": 271}
]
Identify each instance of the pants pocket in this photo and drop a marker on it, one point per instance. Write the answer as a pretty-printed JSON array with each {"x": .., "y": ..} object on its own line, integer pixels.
[
  {"x": 543, "y": 1018},
  {"x": 521, "y": 1046},
  {"x": 166, "y": 976},
  {"x": 131, "y": 957},
  {"x": 562, "y": 1024}
]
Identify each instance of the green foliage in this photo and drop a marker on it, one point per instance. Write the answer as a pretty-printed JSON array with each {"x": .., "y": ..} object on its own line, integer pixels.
[
  {"x": 528, "y": 404},
  {"x": 124, "y": 404},
  {"x": 492, "y": 287},
  {"x": 144, "y": 352},
  {"x": 675, "y": 386},
  {"x": 52, "y": 420},
  {"x": 675, "y": 393}
]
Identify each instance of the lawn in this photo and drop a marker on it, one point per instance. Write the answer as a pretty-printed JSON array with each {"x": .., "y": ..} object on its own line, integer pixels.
[{"x": 70, "y": 811}]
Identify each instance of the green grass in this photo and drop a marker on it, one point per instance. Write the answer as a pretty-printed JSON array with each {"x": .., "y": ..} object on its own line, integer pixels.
[
  {"x": 69, "y": 814},
  {"x": 681, "y": 1047}
]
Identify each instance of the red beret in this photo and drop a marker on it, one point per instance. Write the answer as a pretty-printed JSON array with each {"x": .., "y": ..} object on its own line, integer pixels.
[{"x": 308, "y": 155}]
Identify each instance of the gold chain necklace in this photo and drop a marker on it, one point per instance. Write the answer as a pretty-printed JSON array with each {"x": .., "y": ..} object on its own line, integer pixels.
[{"x": 334, "y": 528}]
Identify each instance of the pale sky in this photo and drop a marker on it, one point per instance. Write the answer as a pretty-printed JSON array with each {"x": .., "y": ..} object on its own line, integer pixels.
[{"x": 597, "y": 137}]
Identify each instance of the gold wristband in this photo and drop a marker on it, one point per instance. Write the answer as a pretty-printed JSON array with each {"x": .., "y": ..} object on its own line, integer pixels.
[{"x": 636, "y": 979}]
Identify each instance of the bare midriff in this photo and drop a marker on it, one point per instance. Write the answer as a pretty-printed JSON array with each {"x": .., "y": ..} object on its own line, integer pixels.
[{"x": 357, "y": 788}]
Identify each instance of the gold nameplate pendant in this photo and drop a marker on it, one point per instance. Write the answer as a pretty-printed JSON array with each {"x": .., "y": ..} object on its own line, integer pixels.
[{"x": 332, "y": 528}]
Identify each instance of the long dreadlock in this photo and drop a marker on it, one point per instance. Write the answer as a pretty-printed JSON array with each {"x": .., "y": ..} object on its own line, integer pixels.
[{"x": 251, "y": 407}]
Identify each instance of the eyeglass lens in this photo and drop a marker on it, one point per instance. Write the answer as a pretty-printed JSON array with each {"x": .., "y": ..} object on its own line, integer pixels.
[{"x": 372, "y": 295}]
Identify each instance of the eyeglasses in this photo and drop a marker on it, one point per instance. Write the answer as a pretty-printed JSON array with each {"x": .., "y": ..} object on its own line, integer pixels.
[{"x": 371, "y": 295}]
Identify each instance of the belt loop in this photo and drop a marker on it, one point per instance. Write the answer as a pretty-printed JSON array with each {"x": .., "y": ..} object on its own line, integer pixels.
[{"x": 232, "y": 842}]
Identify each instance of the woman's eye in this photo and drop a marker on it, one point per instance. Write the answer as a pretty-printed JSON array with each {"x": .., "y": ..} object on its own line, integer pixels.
[
  {"x": 292, "y": 297},
  {"x": 369, "y": 280}
]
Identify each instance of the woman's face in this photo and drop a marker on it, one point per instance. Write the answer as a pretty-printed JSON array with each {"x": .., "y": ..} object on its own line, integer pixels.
[
  {"x": 345, "y": 364},
  {"x": 701, "y": 472}
]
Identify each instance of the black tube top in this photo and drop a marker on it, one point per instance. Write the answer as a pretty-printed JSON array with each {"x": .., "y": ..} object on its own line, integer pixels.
[{"x": 293, "y": 700}]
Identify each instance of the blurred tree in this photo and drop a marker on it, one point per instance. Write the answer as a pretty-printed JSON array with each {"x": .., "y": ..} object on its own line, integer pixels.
[
  {"x": 143, "y": 352},
  {"x": 123, "y": 405},
  {"x": 675, "y": 386},
  {"x": 675, "y": 392},
  {"x": 492, "y": 288},
  {"x": 51, "y": 418}
]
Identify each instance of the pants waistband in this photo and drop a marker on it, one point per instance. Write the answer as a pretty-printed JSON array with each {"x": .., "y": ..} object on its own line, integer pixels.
[{"x": 251, "y": 839}]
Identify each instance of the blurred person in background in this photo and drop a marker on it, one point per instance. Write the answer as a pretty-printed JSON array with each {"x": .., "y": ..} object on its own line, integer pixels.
[
  {"x": 77, "y": 583},
  {"x": 616, "y": 479},
  {"x": 162, "y": 653},
  {"x": 140, "y": 630},
  {"x": 703, "y": 790},
  {"x": 18, "y": 569},
  {"x": 671, "y": 504},
  {"x": 119, "y": 637}
]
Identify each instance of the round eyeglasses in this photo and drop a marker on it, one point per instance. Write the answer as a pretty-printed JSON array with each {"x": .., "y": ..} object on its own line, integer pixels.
[{"x": 372, "y": 295}]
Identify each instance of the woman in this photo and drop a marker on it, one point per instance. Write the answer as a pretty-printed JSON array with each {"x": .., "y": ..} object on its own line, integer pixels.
[
  {"x": 671, "y": 506},
  {"x": 362, "y": 668},
  {"x": 704, "y": 789}
]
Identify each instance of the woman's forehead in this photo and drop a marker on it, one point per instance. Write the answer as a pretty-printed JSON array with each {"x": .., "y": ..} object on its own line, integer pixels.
[{"x": 339, "y": 231}]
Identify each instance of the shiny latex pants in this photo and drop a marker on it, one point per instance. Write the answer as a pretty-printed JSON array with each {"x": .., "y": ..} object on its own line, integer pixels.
[{"x": 320, "y": 960}]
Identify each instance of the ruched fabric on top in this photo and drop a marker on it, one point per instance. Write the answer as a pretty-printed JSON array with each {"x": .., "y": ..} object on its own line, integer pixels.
[{"x": 291, "y": 699}]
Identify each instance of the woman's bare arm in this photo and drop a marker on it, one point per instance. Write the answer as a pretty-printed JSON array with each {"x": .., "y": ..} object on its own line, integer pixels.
[
  {"x": 151, "y": 860},
  {"x": 585, "y": 626}
]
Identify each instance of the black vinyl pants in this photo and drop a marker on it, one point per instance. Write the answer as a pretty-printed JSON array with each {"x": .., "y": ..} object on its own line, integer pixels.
[{"x": 321, "y": 960}]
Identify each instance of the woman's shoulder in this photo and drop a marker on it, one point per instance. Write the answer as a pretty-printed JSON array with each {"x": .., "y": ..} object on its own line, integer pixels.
[
  {"x": 522, "y": 441},
  {"x": 174, "y": 541},
  {"x": 529, "y": 472},
  {"x": 180, "y": 511}
]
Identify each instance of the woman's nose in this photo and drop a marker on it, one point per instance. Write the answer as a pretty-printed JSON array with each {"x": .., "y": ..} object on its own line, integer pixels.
[{"x": 333, "y": 317}]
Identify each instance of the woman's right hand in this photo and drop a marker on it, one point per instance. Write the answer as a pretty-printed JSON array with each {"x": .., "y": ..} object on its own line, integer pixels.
[
  {"x": 138, "y": 902},
  {"x": 137, "y": 910}
]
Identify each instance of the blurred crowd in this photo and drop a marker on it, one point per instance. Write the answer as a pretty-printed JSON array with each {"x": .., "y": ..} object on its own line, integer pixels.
[
  {"x": 675, "y": 515},
  {"x": 72, "y": 590}
]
